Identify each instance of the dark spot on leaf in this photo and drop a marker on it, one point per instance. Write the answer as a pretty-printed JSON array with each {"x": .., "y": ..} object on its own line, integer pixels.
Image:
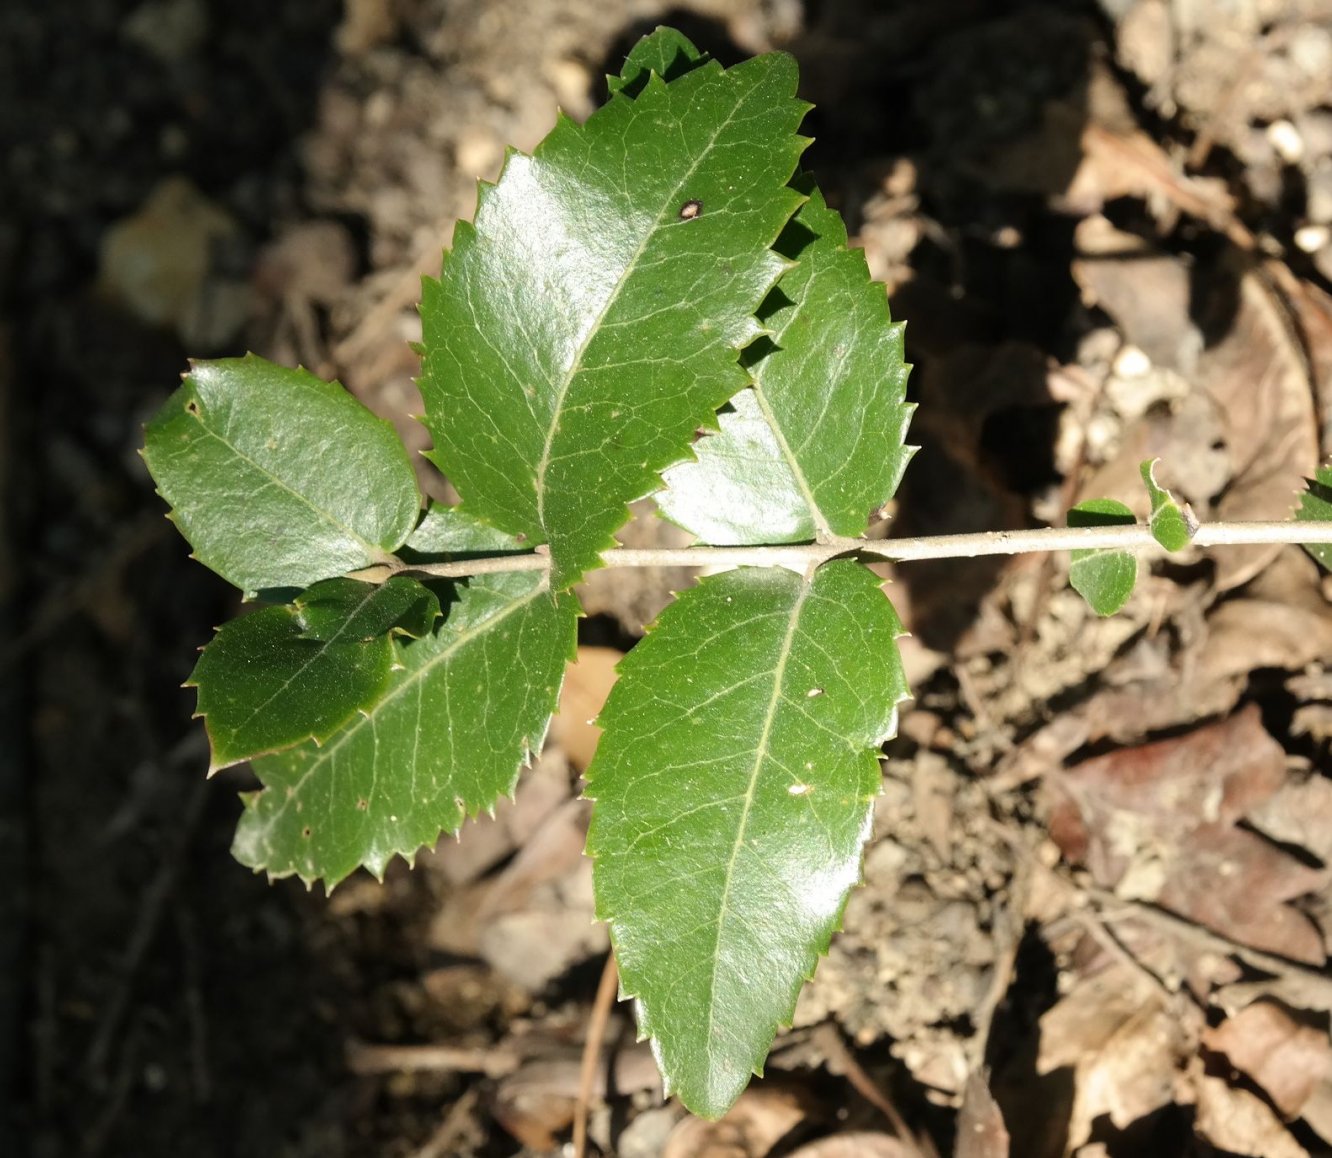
[
  {"x": 362, "y": 805},
  {"x": 306, "y": 831},
  {"x": 192, "y": 407},
  {"x": 691, "y": 209}
]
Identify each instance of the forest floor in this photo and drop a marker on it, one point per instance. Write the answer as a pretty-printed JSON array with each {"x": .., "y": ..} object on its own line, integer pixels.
[{"x": 1101, "y": 882}]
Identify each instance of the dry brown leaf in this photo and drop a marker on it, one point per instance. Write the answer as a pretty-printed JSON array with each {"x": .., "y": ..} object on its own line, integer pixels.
[
  {"x": 1235, "y": 882},
  {"x": 487, "y": 840},
  {"x": 1259, "y": 378},
  {"x": 1212, "y": 775},
  {"x": 1300, "y": 814},
  {"x": 1128, "y": 163},
  {"x": 753, "y": 1126},
  {"x": 1158, "y": 822},
  {"x": 1245, "y": 634},
  {"x": 1287, "y": 1058},
  {"x": 1123, "y": 1043},
  {"x": 537, "y": 1102},
  {"x": 532, "y": 920},
  {"x": 1146, "y": 292},
  {"x": 1242, "y": 1123},
  {"x": 587, "y": 683}
]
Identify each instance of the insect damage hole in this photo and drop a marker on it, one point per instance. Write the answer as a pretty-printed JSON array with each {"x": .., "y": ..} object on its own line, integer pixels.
[{"x": 691, "y": 209}]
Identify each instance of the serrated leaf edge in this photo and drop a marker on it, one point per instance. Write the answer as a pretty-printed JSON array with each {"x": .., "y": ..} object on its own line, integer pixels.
[{"x": 530, "y": 747}]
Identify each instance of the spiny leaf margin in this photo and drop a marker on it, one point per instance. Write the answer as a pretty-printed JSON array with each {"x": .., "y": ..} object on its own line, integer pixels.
[
  {"x": 277, "y": 478},
  {"x": 832, "y": 391},
  {"x": 468, "y": 706}
]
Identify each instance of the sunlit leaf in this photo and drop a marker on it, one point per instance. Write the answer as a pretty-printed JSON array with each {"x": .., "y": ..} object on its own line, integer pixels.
[
  {"x": 832, "y": 392},
  {"x": 1104, "y": 577},
  {"x": 279, "y": 479},
  {"x": 740, "y": 490},
  {"x": 734, "y": 784},
  {"x": 592, "y": 317},
  {"x": 452, "y": 533},
  {"x": 665, "y": 51}
]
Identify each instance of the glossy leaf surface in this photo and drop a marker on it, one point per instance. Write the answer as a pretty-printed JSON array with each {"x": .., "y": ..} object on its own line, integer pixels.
[
  {"x": 1172, "y": 526},
  {"x": 279, "y": 479},
  {"x": 264, "y": 687},
  {"x": 1103, "y": 577},
  {"x": 832, "y": 392},
  {"x": 734, "y": 785},
  {"x": 740, "y": 490},
  {"x": 466, "y": 707},
  {"x": 1316, "y": 505},
  {"x": 591, "y": 319},
  {"x": 665, "y": 51}
]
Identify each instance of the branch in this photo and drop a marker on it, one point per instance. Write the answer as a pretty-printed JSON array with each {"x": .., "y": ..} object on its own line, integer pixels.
[{"x": 801, "y": 556}]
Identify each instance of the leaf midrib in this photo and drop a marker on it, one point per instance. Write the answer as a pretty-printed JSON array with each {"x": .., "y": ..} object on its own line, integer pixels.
[
  {"x": 760, "y": 757},
  {"x": 576, "y": 364},
  {"x": 823, "y": 529}
]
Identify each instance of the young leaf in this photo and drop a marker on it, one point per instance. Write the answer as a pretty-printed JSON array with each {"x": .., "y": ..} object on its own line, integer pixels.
[
  {"x": 264, "y": 686},
  {"x": 465, "y": 709},
  {"x": 1172, "y": 526},
  {"x": 734, "y": 784},
  {"x": 348, "y": 609},
  {"x": 1103, "y": 577},
  {"x": 1316, "y": 506},
  {"x": 279, "y": 479},
  {"x": 832, "y": 392},
  {"x": 591, "y": 319}
]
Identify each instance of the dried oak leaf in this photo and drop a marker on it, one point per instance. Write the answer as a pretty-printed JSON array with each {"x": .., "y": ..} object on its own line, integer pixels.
[
  {"x": 1286, "y": 1057},
  {"x": 1157, "y": 822},
  {"x": 1124, "y": 1043}
]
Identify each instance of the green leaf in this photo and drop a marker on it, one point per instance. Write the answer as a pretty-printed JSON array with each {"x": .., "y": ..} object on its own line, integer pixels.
[
  {"x": 668, "y": 53},
  {"x": 1172, "y": 526},
  {"x": 452, "y": 533},
  {"x": 734, "y": 785},
  {"x": 351, "y": 610},
  {"x": 466, "y": 707},
  {"x": 1104, "y": 577},
  {"x": 1316, "y": 506},
  {"x": 264, "y": 687},
  {"x": 832, "y": 392},
  {"x": 591, "y": 320},
  {"x": 279, "y": 479},
  {"x": 740, "y": 490}
]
